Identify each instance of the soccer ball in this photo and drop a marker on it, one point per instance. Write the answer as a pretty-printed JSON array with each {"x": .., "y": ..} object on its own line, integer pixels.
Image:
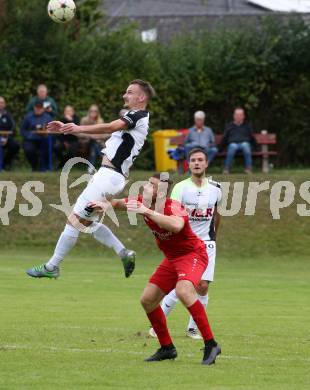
[{"x": 61, "y": 11}]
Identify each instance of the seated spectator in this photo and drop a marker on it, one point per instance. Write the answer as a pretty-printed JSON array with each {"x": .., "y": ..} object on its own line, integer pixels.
[
  {"x": 66, "y": 146},
  {"x": 238, "y": 136},
  {"x": 36, "y": 145},
  {"x": 49, "y": 103},
  {"x": 8, "y": 143},
  {"x": 201, "y": 136},
  {"x": 96, "y": 143}
]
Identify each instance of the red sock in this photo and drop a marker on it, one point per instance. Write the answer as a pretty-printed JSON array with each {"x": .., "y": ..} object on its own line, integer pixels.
[
  {"x": 200, "y": 317},
  {"x": 159, "y": 323}
]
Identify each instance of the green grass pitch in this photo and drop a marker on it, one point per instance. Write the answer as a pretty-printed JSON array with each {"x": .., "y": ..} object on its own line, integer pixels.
[{"x": 87, "y": 330}]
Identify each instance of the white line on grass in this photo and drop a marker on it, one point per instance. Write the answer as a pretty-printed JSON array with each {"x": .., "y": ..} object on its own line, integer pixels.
[{"x": 110, "y": 350}]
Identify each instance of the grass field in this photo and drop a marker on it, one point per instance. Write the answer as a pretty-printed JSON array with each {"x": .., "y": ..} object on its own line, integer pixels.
[{"x": 87, "y": 330}]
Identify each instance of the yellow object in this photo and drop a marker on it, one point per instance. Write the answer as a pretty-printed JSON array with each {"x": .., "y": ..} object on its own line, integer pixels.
[{"x": 161, "y": 145}]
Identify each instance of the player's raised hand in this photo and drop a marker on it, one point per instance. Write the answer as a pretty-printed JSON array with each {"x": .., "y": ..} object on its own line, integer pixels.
[
  {"x": 70, "y": 128},
  {"x": 54, "y": 126},
  {"x": 136, "y": 206}
]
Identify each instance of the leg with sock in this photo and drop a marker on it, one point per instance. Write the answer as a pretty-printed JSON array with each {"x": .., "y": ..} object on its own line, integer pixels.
[
  {"x": 105, "y": 236},
  {"x": 150, "y": 299},
  {"x": 169, "y": 302},
  {"x": 199, "y": 315},
  {"x": 65, "y": 243},
  {"x": 159, "y": 323},
  {"x": 204, "y": 299},
  {"x": 167, "y": 305},
  {"x": 186, "y": 292},
  {"x": 167, "y": 350}
]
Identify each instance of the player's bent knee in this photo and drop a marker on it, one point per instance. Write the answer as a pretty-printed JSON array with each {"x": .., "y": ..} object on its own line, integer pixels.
[
  {"x": 185, "y": 292},
  {"x": 78, "y": 222},
  {"x": 147, "y": 303}
]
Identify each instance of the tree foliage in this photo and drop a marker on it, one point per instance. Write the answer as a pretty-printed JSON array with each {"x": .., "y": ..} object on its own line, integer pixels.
[{"x": 266, "y": 69}]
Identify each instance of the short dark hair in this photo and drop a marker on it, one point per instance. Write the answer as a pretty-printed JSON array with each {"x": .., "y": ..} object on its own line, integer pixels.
[
  {"x": 146, "y": 87},
  {"x": 198, "y": 150},
  {"x": 161, "y": 177}
]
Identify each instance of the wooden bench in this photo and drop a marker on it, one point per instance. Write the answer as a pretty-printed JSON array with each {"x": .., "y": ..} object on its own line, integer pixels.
[{"x": 263, "y": 139}]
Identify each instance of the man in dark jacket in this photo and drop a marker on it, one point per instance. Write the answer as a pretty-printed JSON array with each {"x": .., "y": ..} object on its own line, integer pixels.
[
  {"x": 9, "y": 146},
  {"x": 35, "y": 144},
  {"x": 238, "y": 136}
]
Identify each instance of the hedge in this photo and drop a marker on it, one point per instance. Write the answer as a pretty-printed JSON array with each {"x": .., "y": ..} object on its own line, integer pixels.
[{"x": 265, "y": 68}]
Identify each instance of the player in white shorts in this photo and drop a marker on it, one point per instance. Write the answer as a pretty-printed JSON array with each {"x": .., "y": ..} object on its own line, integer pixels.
[
  {"x": 200, "y": 196},
  {"x": 128, "y": 134}
]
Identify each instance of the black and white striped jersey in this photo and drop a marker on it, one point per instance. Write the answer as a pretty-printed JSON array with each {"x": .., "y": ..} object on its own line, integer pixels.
[{"x": 124, "y": 146}]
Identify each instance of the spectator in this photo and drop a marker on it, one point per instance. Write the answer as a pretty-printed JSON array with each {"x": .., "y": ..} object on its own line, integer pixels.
[
  {"x": 238, "y": 136},
  {"x": 66, "y": 146},
  {"x": 93, "y": 116},
  {"x": 201, "y": 136},
  {"x": 49, "y": 103},
  {"x": 36, "y": 145},
  {"x": 96, "y": 144},
  {"x": 9, "y": 145}
]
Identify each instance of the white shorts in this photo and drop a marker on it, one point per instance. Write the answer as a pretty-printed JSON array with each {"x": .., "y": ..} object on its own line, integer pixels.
[
  {"x": 209, "y": 272},
  {"x": 104, "y": 185}
]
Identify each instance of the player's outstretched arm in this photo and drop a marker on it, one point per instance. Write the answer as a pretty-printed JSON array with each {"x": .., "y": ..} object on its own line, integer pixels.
[
  {"x": 102, "y": 207},
  {"x": 101, "y": 128},
  {"x": 100, "y": 137},
  {"x": 54, "y": 126},
  {"x": 171, "y": 223}
]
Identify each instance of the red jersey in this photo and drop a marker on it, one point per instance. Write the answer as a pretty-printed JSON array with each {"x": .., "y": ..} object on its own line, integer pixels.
[{"x": 174, "y": 245}]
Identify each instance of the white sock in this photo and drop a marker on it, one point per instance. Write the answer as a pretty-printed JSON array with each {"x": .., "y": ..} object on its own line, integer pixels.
[
  {"x": 204, "y": 299},
  {"x": 65, "y": 243},
  {"x": 105, "y": 236},
  {"x": 169, "y": 302}
]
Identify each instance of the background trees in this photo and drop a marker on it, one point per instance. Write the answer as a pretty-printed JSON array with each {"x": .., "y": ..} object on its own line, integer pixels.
[{"x": 266, "y": 69}]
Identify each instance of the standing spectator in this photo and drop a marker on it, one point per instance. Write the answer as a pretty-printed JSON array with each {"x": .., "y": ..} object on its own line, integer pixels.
[
  {"x": 49, "y": 103},
  {"x": 238, "y": 136},
  {"x": 9, "y": 145},
  {"x": 201, "y": 136},
  {"x": 66, "y": 146},
  {"x": 36, "y": 145},
  {"x": 94, "y": 117}
]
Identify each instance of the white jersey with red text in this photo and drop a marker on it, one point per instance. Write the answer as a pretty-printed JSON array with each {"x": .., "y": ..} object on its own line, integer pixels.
[{"x": 200, "y": 203}]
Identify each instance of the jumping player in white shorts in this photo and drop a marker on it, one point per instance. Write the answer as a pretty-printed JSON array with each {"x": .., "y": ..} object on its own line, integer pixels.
[
  {"x": 127, "y": 138},
  {"x": 200, "y": 196}
]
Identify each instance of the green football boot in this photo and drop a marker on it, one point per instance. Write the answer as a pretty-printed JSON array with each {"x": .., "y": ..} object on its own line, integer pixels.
[{"x": 40, "y": 271}]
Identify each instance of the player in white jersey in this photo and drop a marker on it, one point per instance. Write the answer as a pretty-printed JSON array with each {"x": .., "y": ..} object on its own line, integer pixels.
[
  {"x": 200, "y": 196},
  {"x": 127, "y": 138}
]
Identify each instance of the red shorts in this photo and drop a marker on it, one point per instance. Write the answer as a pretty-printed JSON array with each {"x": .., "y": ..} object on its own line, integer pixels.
[{"x": 188, "y": 267}]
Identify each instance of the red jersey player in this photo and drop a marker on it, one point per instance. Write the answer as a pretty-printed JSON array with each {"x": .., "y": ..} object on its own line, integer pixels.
[{"x": 184, "y": 263}]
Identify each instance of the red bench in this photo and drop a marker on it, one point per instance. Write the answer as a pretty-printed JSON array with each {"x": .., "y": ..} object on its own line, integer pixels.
[{"x": 263, "y": 139}]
